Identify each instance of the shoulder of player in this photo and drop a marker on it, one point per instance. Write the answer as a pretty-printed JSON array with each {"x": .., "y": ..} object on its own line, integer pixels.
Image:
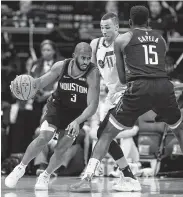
[
  {"x": 159, "y": 35},
  {"x": 123, "y": 39},
  {"x": 93, "y": 75},
  {"x": 94, "y": 43}
]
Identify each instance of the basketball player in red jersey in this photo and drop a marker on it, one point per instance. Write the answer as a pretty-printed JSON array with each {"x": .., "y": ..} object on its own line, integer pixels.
[
  {"x": 74, "y": 101},
  {"x": 140, "y": 59}
]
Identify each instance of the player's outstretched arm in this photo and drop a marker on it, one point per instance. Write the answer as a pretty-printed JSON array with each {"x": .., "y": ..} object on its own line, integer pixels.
[
  {"x": 50, "y": 76},
  {"x": 93, "y": 80}
]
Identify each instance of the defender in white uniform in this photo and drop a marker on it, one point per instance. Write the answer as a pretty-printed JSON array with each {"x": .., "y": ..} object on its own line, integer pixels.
[{"x": 103, "y": 55}]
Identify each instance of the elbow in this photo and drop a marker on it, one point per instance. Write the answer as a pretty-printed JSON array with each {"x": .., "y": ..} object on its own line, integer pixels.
[
  {"x": 94, "y": 110},
  {"x": 94, "y": 107},
  {"x": 135, "y": 131},
  {"x": 122, "y": 78}
]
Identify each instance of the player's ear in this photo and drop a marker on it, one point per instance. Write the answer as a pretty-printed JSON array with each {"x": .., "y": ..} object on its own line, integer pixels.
[
  {"x": 130, "y": 22},
  {"x": 73, "y": 55},
  {"x": 117, "y": 27}
]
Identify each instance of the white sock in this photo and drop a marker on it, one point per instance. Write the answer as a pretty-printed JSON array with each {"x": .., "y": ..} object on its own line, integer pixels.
[
  {"x": 93, "y": 164},
  {"x": 46, "y": 173},
  {"x": 22, "y": 165}
]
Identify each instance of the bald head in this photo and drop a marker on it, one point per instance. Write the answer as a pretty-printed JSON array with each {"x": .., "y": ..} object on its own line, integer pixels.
[
  {"x": 82, "y": 55},
  {"x": 83, "y": 47}
]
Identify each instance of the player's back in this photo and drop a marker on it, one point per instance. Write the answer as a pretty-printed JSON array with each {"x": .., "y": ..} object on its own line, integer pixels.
[{"x": 144, "y": 55}]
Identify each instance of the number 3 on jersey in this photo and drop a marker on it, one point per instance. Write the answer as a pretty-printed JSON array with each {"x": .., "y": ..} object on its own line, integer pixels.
[
  {"x": 148, "y": 51},
  {"x": 73, "y": 97}
]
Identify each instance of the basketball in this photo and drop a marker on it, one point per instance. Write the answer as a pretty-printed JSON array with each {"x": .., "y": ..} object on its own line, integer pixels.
[{"x": 24, "y": 87}]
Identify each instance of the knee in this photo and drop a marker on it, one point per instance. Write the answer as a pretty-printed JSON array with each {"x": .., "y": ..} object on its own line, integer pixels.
[
  {"x": 44, "y": 137},
  {"x": 99, "y": 132},
  {"x": 179, "y": 130},
  {"x": 63, "y": 144},
  {"x": 100, "y": 129},
  {"x": 106, "y": 137}
]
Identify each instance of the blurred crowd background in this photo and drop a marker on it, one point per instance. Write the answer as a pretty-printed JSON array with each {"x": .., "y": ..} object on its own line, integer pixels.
[{"x": 34, "y": 35}]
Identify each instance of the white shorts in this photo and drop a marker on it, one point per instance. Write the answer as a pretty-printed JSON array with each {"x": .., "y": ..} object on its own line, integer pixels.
[{"x": 111, "y": 101}]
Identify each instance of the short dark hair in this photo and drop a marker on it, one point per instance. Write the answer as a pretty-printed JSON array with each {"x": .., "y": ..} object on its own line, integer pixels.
[
  {"x": 139, "y": 15},
  {"x": 112, "y": 16},
  {"x": 83, "y": 47}
]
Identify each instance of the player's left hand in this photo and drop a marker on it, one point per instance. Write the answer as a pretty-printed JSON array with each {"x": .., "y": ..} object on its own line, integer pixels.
[{"x": 73, "y": 128}]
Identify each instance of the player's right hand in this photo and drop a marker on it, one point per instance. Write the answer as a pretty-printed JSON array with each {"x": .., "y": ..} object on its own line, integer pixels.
[
  {"x": 73, "y": 128},
  {"x": 12, "y": 89}
]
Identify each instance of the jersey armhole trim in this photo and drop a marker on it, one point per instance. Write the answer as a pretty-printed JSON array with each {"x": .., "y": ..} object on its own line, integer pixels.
[
  {"x": 131, "y": 33},
  {"x": 63, "y": 69},
  {"x": 94, "y": 67},
  {"x": 98, "y": 41}
]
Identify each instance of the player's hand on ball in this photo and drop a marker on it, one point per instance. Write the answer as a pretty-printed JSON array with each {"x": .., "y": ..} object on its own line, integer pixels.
[
  {"x": 11, "y": 85},
  {"x": 73, "y": 128}
]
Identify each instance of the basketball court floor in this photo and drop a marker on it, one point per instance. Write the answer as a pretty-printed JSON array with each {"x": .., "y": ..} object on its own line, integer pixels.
[{"x": 151, "y": 187}]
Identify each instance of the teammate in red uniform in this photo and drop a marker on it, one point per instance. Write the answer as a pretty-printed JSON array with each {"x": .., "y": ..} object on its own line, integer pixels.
[
  {"x": 140, "y": 57},
  {"x": 74, "y": 101}
]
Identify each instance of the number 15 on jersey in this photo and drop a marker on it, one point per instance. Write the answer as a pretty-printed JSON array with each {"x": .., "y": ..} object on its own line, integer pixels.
[{"x": 151, "y": 56}]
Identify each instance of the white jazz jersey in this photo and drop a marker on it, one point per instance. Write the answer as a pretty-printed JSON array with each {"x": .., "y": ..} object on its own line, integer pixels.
[{"x": 106, "y": 62}]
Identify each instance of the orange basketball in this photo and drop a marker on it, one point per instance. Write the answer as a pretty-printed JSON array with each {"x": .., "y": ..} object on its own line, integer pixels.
[{"x": 24, "y": 87}]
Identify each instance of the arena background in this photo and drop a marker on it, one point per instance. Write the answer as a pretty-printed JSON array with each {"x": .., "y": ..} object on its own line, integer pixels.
[{"x": 24, "y": 25}]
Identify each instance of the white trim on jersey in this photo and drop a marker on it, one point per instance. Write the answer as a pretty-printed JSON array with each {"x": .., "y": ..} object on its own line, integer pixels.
[
  {"x": 174, "y": 126},
  {"x": 116, "y": 124}
]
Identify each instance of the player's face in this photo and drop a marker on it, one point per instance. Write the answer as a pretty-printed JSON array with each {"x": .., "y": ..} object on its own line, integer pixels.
[
  {"x": 47, "y": 52},
  {"x": 108, "y": 29},
  {"x": 155, "y": 7},
  {"x": 83, "y": 60}
]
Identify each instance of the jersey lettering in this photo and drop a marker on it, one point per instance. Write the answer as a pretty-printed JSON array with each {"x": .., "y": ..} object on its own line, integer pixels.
[{"x": 73, "y": 87}]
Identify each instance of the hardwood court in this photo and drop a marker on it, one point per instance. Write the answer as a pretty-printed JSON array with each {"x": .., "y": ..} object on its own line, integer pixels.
[{"x": 167, "y": 187}]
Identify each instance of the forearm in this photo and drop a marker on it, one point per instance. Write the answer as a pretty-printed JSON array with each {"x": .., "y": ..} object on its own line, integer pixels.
[
  {"x": 42, "y": 83},
  {"x": 38, "y": 83},
  {"x": 50, "y": 77},
  {"x": 86, "y": 147},
  {"x": 87, "y": 113}
]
